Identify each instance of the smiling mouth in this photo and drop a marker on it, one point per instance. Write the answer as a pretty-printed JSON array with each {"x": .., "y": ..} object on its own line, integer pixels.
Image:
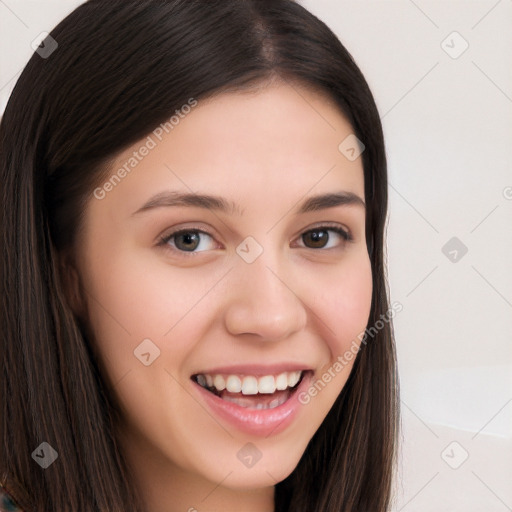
[{"x": 267, "y": 392}]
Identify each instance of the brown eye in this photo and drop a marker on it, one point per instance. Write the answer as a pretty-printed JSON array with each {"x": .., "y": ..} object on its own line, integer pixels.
[
  {"x": 319, "y": 237},
  {"x": 185, "y": 240}
]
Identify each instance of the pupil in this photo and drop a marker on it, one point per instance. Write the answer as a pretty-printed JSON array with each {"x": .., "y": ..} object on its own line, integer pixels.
[
  {"x": 319, "y": 240},
  {"x": 189, "y": 238}
]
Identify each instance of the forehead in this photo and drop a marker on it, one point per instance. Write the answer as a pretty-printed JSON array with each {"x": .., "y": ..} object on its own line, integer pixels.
[
  {"x": 279, "y": 141},
  {"x": 268, "y": 119}
]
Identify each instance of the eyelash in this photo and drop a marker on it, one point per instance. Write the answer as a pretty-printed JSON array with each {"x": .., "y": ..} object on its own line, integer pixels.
[{"x": 164, "y": 240}]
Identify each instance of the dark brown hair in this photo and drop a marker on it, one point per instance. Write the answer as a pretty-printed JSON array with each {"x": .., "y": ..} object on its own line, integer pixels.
[{"x": 121, "y": 68}]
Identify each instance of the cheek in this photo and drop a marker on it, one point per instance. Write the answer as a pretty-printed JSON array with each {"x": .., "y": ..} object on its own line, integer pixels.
[
  {"x": 130, "y": 299},
  {"x": 143, "y": 296},
  {"x": 342, "y": 310},
  {"x": 345, "y": 305},
  {"x": 356, "y": 297}
]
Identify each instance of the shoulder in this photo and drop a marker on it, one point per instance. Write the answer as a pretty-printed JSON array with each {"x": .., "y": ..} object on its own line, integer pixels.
[{"x": 7, "y": 503}]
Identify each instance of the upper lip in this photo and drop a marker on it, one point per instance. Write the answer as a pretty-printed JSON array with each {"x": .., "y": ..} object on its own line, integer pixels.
[{"x": 258, "y": 370}]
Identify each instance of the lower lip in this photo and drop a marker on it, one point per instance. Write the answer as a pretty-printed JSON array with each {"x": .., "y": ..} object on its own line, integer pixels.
[{"x": 259, "y": 422}]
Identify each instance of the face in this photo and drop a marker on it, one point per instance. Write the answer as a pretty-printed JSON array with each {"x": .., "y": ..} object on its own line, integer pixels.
[{"x": 238, "y": 295}]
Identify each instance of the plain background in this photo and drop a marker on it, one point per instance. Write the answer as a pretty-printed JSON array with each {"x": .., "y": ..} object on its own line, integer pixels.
[{"x": 447, "y": 117}]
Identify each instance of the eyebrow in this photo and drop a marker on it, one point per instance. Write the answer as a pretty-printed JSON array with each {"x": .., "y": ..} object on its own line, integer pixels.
[{"x": 217, "y": 203}]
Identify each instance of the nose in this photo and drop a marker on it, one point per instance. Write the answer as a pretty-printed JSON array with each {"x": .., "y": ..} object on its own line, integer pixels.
[{"x": 262, "y": 302}]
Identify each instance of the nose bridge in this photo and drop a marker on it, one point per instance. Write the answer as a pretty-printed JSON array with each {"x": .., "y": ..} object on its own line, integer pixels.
[{"x": 262, "y": 299}]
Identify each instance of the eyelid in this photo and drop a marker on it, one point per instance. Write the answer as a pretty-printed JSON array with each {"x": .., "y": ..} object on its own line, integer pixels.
[{"x": 330, "y": 225}]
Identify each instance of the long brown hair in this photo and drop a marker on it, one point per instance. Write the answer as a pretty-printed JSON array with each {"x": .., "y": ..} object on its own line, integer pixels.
[{"x": 121, "y": 68}]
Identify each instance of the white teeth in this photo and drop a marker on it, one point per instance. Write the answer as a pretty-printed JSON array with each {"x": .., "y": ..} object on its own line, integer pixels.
[
  {"x": 249, "y": 384},
  {"x": 233, "y": 384},
  {"x": 243, "y": 402},
  {"x": 266, "y": 384},
  {"x": 293, "y": 378},
  {"x": 275, "y": 403},
  {"x": 282, "y": 381},
  {"x": 219, "y": 382}
]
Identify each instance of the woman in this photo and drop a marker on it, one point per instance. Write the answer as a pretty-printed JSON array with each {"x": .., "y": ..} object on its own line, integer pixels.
[{"x": 257, "y": 373}]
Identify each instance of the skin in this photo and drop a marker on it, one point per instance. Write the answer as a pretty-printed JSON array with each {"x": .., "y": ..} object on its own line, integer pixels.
[{"x": 298, "y": 302}]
